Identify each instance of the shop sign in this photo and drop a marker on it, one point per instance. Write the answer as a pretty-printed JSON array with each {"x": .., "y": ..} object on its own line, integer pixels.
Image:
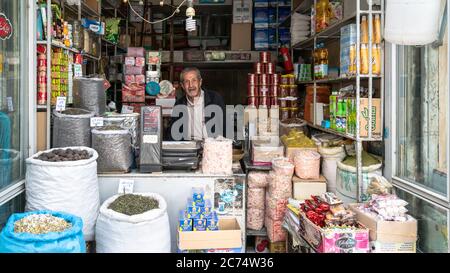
[{"x": 6, "y": 28}]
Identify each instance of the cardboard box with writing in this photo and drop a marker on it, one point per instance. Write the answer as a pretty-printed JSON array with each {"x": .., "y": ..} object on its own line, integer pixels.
[
  {"x": 304, "y": 188},
  {"x": 364, "y": 117},
  {"x": 241, "y": 36},
  {"x": 388, "y": 236},
  {"x": 229, "y": 235}
]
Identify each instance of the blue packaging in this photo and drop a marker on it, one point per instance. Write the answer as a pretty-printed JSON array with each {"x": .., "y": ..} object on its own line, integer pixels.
[
  {"x": 212, "y": 223},
  {"x": 198, "y": 195},
  {"x": 261, "y": 3},
  {"x": 207, "y": 209},
  {"x": 261, "y": 38},
  {"x": 261, "y": 17},
  {"x": 199, "y": 224},
  {"x": 272, "y": 15},
  {"x": 193, "y": 209},
  {"x": 93, "y": 25},
  {"x": 185, "y": 223},
  {"x": 283, "y": 14}
]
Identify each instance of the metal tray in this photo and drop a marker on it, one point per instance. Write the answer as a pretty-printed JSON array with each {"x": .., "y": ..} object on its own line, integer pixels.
[{"x": 181, "y": 146}]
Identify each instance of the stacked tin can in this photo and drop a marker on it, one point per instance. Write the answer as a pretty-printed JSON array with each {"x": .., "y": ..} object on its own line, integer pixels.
[
  {"x": 42, "y": 79},
  {"x": 263, "y": 83},
  {"x": 288, "y": 94}
]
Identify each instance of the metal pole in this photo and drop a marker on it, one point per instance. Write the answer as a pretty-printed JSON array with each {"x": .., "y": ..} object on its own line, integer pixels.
[
  {"x": 49, "y": 64},
  {"x": 382, "y": 62},
  {"x": 370, "y": 17},
  {"x": 314, "y": 75},
  {"x": 358, "y": 102}
]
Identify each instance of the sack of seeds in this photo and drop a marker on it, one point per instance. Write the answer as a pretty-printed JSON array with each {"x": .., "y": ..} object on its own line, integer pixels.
[
  {"x": 42, "y": 232},
  {"x": 65, "y": 180},
  {"x": 133, "y": 223}
]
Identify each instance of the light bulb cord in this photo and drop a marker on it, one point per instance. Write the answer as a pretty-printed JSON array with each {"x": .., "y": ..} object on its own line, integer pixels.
[{"x": 158, "y": 21}]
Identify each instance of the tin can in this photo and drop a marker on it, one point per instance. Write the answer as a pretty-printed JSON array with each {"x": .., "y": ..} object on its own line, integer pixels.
[
  {"x": 273, "y": 90},
  {"x": 252, "y": 90},
  {"x": 264, "y": 101},
  {"x": 275, "y": 79},
  {"x": 78, "y": 59},
  {"x": 252, "y": 101},
  {"x": 283, "y": 103},
  {"x": 294, "y": 103},
  {"x": 264, "y": 91},
  {"x": 288, "y": 79},
  {"x": 264, "y": 79},
  {"x": 284, "y": 90},
  {"x": 264, "y": 56},
  {"x": 258, "y": 68},
  {"x": 284, "y": 113},
  {"x": 42, "y": 95},
  {"x": 270, "y": 68},
  {"x": 293, "y": 91},
  {"x": 252, "y": 79},
  {"x": 274, "y": 101},
  {"x": 293, "y": 112}
]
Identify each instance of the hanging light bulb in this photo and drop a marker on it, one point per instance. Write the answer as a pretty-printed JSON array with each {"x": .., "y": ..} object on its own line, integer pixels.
[
  {"x": 191, "y": 24},
  {"x": 161, "y": 3},
  {"x": 141, "y": 2}
]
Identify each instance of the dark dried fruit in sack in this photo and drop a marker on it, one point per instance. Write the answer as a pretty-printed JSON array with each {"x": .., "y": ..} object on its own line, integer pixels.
[
  {"x": 132, "y": 204},
  {"x": 60, "y": 155}
]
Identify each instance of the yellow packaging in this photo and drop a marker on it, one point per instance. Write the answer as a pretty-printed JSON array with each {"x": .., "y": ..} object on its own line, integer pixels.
[
  {"x": 364, "y": 31},
  {"x": 352, "y": 67},
  {"x": 376, "y": 60},
  {"x": 376, "y": 38},
  {"x": 364, "y": 59}
]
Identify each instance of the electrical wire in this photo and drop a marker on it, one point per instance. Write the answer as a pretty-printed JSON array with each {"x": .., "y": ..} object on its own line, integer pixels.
[{"x": 158, "y": 21}]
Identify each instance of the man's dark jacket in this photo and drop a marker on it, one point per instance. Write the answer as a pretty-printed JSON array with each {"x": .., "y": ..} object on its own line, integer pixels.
[{"x": 210, "y": 97}]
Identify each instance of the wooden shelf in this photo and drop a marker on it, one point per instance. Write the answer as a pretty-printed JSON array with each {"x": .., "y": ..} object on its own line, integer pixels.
[{"x": 343, "y": 79}]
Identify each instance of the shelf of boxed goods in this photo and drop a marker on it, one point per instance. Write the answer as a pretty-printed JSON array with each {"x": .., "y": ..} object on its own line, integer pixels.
[{"x": 303, "y": 7}]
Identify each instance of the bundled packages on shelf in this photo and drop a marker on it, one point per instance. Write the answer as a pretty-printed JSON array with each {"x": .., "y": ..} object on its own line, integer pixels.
[
  {"x": 300, "y": 27},
  {"x": 60, "y": 73},
  {"x": 327, "y": 222},
  {"x": 133, "y": 89}
]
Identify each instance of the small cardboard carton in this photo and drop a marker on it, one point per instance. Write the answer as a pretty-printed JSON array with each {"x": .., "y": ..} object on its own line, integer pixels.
[
  {"x": 329, "y": 240},
  {"x": 229, "y": 235},
  {"x": 304, "y": 188},
  {"x": 388, "y": 236}
]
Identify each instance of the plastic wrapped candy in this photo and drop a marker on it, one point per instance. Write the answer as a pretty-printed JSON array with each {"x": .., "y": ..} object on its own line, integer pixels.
[
  {"x": 218, "y": 156},
  {"x": 282, "y": 166},
  {"x": 275, "y": 231},
  {"x": 255, "y": 198},
  {"x": 275, "y": 208},
  {"x": 129, "y": 79},
  {"x": 255, "y": 219},
  {"x": 258, "y": 179},
  {"x": 140, "y": 61},
  {"x": 307, "y": 164},
  {"x": 140, "y": 79},
  {"x": 280, "y": 186}
]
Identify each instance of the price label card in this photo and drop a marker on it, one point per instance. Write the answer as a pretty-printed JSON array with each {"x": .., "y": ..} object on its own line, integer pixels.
[
  {"x": 96, "y": 121},
  {"x": 10, "y": 104},
  {"x": 126, "y": 109},
  {"x": 152, "y": 139},
  {"x": 125, "y": 186},
  {"x": 61, "y": 103}
]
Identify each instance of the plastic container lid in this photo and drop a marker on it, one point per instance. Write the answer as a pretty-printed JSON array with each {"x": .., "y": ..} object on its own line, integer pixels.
[
  {"x": 166, "y": 87},
  {"x": 152, "y": 88}
]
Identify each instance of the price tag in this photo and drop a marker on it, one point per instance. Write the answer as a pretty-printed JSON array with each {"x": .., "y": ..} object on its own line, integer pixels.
[
  {"x": 61, "y": 103},
  {"x": 152, "y": 139},
  {"x": 126, "y": 109},
  {"x": 96, "y": 121},
  {"x": 10, "y": 104},
  {"x": 126, "y": 186},
  {"x": 78, "y": 70}
]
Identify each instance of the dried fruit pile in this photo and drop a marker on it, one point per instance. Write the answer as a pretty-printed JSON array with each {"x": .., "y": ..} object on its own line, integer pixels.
[
  {"x": 41, "y": 224},
  {"x": 132, "y": 204},
  {"x": 59, "y": 155}
]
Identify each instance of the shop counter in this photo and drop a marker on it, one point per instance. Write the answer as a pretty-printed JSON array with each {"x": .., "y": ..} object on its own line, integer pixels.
[{"x": 176, "y": 186}]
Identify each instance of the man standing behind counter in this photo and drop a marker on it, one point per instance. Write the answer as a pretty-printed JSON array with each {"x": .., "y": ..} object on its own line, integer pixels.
[{"x": 197, "y": 107}]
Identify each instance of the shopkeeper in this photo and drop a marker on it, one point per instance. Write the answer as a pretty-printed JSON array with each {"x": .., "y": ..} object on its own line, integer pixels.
[{"x": 196, "y": 99}]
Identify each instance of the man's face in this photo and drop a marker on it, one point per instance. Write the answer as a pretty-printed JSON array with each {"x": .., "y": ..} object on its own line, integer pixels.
[{"x": 191, "y": 84}]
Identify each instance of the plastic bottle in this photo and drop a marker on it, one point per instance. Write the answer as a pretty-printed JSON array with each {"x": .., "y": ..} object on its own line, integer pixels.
[
  {"x": 352, "y": 66},
  {"x": 333, "y": 110},
  {"x": 364, "y": 30},
  {"x": 376, "y": 59},
  {"x": 323, "y": 15},
  {"x": 364, "y": 59},
  {"x": 376, "y": 38}
]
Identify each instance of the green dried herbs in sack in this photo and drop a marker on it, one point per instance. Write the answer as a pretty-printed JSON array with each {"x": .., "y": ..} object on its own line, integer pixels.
[
  {"x": 346, "y": 177},
  {"x": 133, "y": 223}
]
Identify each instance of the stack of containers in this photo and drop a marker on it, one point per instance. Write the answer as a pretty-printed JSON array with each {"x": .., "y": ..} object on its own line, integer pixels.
[
  {"x": 199, "y": 214},
  {"x": 256, "y": 194},
  {"x": 133, "y": 90},
  {"x": 42, "y": 79},
  {"x": 288, "y": 97},
  {"x": 280, "y": 190},
  {"x": 60, "y": 73}
]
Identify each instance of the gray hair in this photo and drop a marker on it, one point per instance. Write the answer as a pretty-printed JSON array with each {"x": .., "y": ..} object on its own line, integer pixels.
[{"x": 190, "y": 69}]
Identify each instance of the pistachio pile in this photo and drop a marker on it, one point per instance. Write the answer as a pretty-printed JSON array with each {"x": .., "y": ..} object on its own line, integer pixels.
[
  {"x": 132, "y": 204},
  {"x": 59, "y": 155},
  {"x": 41, "y": 224}
]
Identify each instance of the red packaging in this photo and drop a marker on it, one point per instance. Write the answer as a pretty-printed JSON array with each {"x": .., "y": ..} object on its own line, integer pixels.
[
  {"x": 264, "y": 91},
  {"x": 274, "y": 101},
  {"x": 133, "y": 93},
  {"x": 140, "y": 79},
  {"x": 252, "y": 79},
  {"x": 274, "y": 90},
  {"x": 252, "y": 101},
  {"x": 258, "y": 68},
  {"x": 264, "y": 101},
  {"x": 284, "y": 91},
  {"x": 42, "y": 95},
  {"x": 140, "y": 61},
  {"x": 264, "y": 56},
  {"x": 252, "y": 91},
  {"x": 287, "y": 61},
  {"x": 283, "y": 103},
  {"x": 275, "y": 79},
  {"x": 78, "y": 59},
  {"x": 264, "y": 79},
  {"x": 129, "y": 79},
  {"x": 293, "y": 91},
  {"x": 270, "y": 68}
]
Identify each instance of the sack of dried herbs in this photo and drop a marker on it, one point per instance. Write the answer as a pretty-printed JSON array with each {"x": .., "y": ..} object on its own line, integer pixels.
[
  {"x": 42, "y": 232},
  {"x": 65, "y": 179},
  {"x": 133, "y": 223}
]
